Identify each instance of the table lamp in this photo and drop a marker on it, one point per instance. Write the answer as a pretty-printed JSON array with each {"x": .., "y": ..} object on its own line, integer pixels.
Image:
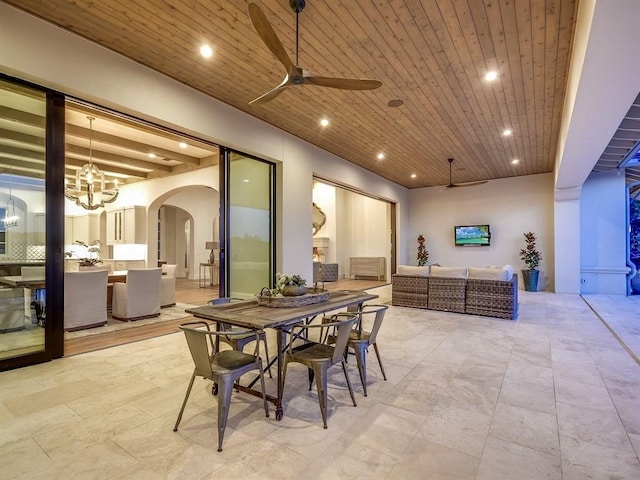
[{"x": 211, "y": 246}]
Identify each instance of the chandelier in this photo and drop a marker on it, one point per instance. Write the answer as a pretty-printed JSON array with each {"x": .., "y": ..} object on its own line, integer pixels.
[
  {"x": 10, "y": 220},
  {"x": 89, "y": 190}
]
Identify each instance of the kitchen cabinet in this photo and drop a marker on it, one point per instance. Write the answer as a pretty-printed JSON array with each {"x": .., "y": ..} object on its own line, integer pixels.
[
  {"x": 85, "y": 228},
  {"x": 126, "y": 225}
]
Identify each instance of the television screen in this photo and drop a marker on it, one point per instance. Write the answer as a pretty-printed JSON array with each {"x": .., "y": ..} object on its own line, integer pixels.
[{"x": 472, "y": 235}]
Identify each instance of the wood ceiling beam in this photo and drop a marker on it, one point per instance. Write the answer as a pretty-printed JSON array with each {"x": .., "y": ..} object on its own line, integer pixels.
[
  {"x": 22, "y": 137},
  {"x": 143, "y": 148},
  {"x": 101, "y": 157},
  {"x": 23, "y": 153},
  {"x": 31, "y": 119},
  {"x": 107, "y": 169}
]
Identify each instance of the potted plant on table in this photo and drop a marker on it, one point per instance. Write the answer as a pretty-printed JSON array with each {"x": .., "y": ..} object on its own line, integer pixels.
[
  {"x": 89, "y": 257},
  {"x": 289, "y": 285},
  {"x": 423, "y": 254},
  {"x": 531, "y": 258}
]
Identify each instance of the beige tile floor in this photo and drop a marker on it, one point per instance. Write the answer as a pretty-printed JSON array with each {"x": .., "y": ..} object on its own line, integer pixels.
[{"x": 553, "y": 395}]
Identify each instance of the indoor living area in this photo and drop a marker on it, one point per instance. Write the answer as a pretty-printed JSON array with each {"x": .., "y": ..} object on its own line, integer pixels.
[{"x": 242, "y": 238}]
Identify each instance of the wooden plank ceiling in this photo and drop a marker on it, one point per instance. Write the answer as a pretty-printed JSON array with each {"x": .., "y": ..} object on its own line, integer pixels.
[{"x": 430, "y": 54}]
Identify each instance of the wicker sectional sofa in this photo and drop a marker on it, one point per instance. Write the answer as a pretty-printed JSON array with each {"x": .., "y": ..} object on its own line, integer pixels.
[{"x": 490, "y": 291}]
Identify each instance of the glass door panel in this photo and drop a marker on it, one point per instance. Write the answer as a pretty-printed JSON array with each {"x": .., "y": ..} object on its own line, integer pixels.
[
  {"x": 249, "y": 250},
  {"x": 22, "y": 220}
]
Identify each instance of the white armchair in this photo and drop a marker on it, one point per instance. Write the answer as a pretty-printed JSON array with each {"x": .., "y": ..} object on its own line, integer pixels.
[
  {"x": 85, "y": 299},
  {"x": 168, "y": 286},
  {"x": 12, "y": 316},
  {"x": 139, "y": 297}
]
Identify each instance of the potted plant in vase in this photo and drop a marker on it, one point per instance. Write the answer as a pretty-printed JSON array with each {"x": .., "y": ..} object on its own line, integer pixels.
[
  {"x": 531, "y": 258},
  {"x": 90, "y": 256},
  {"x": 423, "y": 254}
]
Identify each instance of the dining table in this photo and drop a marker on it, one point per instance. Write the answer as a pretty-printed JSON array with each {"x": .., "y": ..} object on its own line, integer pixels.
[{"x": 254, "y": 316}]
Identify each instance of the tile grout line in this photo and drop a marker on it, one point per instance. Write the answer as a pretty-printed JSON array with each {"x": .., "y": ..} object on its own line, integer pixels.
[{"x": 613, "y": 333}]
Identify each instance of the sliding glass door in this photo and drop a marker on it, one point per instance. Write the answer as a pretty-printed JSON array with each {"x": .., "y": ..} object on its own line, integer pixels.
[
  {"x": 248, "y": 218},
  {"x": 23, "y": 127}
]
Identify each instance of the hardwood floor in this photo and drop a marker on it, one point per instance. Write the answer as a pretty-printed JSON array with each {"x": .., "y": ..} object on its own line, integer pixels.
[{"x": 187, "y": 291}]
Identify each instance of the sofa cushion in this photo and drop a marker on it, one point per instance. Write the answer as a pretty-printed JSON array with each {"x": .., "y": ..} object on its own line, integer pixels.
[
  {"x": 413, "y": 271},
  {"x": 504, "y": 273},
  {"x": 448, "y": 272}
]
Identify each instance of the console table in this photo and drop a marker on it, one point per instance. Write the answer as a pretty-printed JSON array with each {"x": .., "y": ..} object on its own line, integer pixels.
[
  {"x": 212, "y": 279},
  {"x": 368, "y": 267}
]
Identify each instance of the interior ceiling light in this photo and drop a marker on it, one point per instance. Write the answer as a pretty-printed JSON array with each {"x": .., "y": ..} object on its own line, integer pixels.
[
  {"x": 380, "y": 156},
  {"x": 491, "y": 76},
  {"x": 506, "y": 132},
  {"x": 10, "y": 220},
  {"x": 91, "y": 194},
  {"x": 413, "y": 175},
  {"x": 182, "y": 145},
  {"x": 515, "y": 161},
  {"x": 205, "y": 51},
  {"x": 324, "y": 122},
  {"x": 151, "y": 155}
]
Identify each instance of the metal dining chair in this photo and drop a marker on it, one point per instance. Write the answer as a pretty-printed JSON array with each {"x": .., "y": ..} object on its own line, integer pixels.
[
  {"x": 238, "y": 342},
  {"x": 360, "y": 339},
  {"x": 222, "y": 367},
  {"x": 319, "y": 357}
]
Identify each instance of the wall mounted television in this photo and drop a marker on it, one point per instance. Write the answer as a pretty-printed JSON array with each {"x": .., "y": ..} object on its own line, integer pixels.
[{"x": 472, "y": 235}]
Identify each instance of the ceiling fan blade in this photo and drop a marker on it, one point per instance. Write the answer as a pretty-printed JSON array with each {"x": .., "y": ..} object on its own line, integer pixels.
[
  {"x": 269, "y": 37},
  {"x": 271, "y": 94},
  {"x": 467, "y": 184},
  {"x": 344, "y": 83}
]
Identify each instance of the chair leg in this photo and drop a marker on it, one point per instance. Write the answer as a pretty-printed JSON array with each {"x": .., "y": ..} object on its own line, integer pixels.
[
  {"x": 264, "y": 392},
  {"x": 224, "y": 400},
  {"x": 353, "y": 398},
  {"x": 184, "y": 402},
  {"x": 321, "y": 386},
  {"x": 311, "y": 374},
  {"x": 266, "y": 352},
  {"x": 375, "y": 347},
  {"x": 361, "y": 361}
]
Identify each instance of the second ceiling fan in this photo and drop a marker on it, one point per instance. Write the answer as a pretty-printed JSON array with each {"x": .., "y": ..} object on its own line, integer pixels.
[
  {"x": 463, "y": 184},
  {"x": 295, "y": 74}
]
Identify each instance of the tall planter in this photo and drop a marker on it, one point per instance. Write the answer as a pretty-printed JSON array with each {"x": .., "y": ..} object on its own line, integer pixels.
[{"x": 530, "y": 279}]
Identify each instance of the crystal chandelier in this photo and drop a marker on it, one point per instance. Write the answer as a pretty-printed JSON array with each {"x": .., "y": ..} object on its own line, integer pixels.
[
  {"x": 89, "y": 190},
  {"x": 10, "y": 220}
]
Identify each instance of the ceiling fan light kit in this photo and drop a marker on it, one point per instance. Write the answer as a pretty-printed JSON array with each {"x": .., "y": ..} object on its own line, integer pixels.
[{"x": 295, "y": 74}]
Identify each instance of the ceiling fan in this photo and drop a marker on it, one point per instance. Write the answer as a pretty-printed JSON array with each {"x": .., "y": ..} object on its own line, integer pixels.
[
  {"x": 295, "y": 74},
  {"x": 463, "y": 184}
]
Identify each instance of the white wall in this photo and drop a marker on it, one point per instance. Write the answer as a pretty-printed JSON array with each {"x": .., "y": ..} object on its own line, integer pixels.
[
  {"x": 603, "y": 226},
  {"x": 511, "y": 206},
  {"x": 37, "y": 51}
]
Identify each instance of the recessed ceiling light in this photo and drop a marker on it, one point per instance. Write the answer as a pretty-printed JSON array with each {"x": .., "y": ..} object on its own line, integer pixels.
[
  {"x": 324, "y": 122},
  {"x": 380, "y": 156},
  {"x": 182, "y": 145},
  {"x": 205, "y": 51},
  {"x": 506, "y": 132},
  {"x": 413, "y": 175},
  {"x": 491, "y": 76},
  {"x": 245, "y": 180},
  {"x": 151, "y": 155},
  {"x": 515, "y": 161}
]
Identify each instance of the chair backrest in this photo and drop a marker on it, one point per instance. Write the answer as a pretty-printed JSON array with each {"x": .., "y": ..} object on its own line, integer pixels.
[
  {"x": 85, "y": 298},
  {"x": 199, "y": 347},
  {"x": 136, "y": 277},
  {"x": 169, "y": 270},
  {"x": 378, "y": 311},
  {"x": 34, "y": 273},
  {"x": 343, "y": 327}
]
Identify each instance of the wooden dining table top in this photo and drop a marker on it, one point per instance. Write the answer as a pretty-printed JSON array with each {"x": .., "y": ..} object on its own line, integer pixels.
[
  {"x": 30, "y": 281},
  {"x": 249, "y": 314}
]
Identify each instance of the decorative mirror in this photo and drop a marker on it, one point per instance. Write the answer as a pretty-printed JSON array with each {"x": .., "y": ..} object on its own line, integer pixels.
[{"x": 319, "y": 219}]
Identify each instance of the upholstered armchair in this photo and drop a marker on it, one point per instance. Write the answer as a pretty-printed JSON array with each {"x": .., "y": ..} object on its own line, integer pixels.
[
  {"x": 85, "y": 299},
  {"x": 168, "y": 286},
  {"x": 139, "y": 297}
]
